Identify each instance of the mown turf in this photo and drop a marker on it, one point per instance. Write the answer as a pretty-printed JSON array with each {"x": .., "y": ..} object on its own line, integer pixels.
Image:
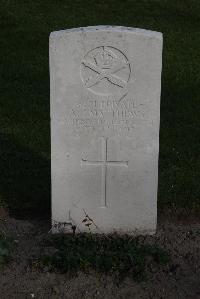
[{"x": 24, "y": 93}]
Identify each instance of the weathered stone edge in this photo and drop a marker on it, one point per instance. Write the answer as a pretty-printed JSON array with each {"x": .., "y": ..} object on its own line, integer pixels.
[{"x": 148, "y": 33}]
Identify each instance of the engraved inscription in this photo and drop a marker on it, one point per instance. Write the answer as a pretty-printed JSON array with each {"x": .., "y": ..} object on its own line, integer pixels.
[
  {"x": 105, "y": 70},
  {"x": 105, "y": 116},
  {"x": 104, "y": 163}
]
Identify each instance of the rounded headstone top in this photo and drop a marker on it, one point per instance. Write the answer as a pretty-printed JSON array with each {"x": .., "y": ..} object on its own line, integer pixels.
[{"x": 144, "y": 32}]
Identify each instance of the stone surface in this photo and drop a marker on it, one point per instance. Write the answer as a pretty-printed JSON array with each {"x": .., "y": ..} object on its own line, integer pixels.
[{"x": 105, "y": 104}]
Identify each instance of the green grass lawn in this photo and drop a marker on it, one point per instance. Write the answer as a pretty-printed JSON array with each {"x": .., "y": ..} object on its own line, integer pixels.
[{"x": 24, "y": 93}]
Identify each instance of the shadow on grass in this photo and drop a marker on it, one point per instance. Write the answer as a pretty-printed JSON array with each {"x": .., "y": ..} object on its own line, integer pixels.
[
  {"x": 25, "y": 180},
  {"x": 112, "y": 254}
]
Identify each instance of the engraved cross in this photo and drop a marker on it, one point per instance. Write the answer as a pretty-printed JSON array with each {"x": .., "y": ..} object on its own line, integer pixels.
[{"x": 104, "y": 162}]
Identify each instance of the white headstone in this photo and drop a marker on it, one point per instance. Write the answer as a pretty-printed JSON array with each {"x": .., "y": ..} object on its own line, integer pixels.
[{"x": 105, "y": 105}]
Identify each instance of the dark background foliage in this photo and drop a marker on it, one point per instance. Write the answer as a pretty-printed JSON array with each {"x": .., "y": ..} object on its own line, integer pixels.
[{"x": 24, "y": 94}]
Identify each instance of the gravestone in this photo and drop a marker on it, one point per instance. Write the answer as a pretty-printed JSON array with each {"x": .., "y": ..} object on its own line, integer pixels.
[{"x": 105, "y": 103}]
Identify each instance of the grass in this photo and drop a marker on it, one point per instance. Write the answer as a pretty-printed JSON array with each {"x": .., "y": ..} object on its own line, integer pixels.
[
  {"x": 119, "y": 256},
  {"x": 24, "y": 94},
  {"x": 5, "y": 250}
]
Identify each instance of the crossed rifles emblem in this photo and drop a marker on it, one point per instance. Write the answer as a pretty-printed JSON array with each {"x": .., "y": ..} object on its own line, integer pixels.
[{"x": 106, "y": 65}]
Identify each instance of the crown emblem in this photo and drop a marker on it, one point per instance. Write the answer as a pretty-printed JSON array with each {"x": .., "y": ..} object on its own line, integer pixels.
[
  {"x": 104, "y": 60},
  {"x": 105, "y": 67}
]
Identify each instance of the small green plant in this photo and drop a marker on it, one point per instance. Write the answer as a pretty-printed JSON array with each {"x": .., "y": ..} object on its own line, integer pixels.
[
  {"x": 5, "y": 250},
  {"x": 88, "y": 221},
  {"x": 118, "y": 255}
]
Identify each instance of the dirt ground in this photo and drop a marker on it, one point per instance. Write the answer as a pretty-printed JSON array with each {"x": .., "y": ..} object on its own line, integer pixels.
[{"x": 180, "y": 278}]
